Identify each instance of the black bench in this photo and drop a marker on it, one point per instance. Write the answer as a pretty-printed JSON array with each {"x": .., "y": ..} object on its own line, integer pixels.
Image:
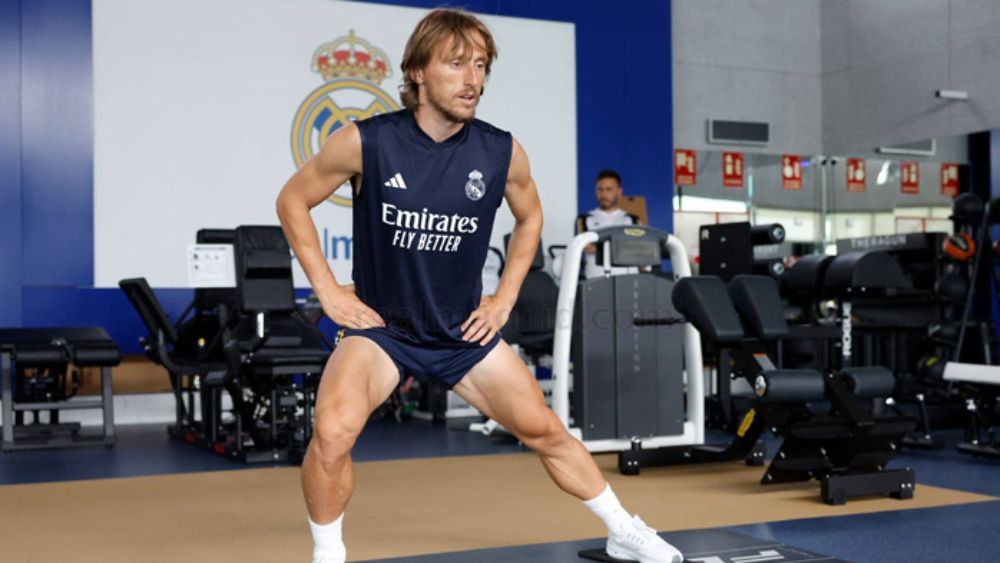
[
  {"x": 53, "y": 350},
  {"x": 844, "y": 447}
]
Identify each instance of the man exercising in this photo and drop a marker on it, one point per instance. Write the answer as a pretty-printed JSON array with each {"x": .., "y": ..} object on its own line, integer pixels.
[{"x": 427, "y": 182}]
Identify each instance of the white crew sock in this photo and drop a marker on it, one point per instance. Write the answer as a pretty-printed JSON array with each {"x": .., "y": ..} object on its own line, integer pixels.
[
  {"x": 328, "y": 539},
  {"x": 607, "y": 507}
]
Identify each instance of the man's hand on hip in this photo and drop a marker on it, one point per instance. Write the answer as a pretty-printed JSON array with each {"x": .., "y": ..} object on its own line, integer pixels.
[
  {"x": 344, "y": 308},
  {"x": 485, "y": 322}
]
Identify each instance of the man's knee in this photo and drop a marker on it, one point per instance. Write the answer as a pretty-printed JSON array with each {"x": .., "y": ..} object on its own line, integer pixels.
[
  {"x": 333, "y": 437},
  {"x": 547, "y": 436}
]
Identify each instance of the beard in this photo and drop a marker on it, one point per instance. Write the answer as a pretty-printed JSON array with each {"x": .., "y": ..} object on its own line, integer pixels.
[{"x": 434, "y": 102}]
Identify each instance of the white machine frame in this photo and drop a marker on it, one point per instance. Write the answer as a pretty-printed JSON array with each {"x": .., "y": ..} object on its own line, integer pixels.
[
  {"x": 694, "y": 426},
  {"x": 972, "y": 373}
]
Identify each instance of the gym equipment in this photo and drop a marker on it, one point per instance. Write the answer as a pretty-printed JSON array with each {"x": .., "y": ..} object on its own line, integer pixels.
[
  {"x": 959, "y": 246},
  {"x": 626, "y": 401},
  {"x": 919, "y": 254},
  {"x": 943, "y": 333},
  {"x": 887, "y": 298},
  {"x": 931, "y": 367},
  {"x": 990, "y": 215},
  {"x": 728, "y": 249},
  {"x": 34, "y": 376},
  {"x": 274, "y": 354},
  {"x": 981, "y": 387},
  {"x": 952, "y": 287},
  {"x": 847, "y": 448},
  {"x": 199, "y": 330},
  {"x": 272, "y": 359},
  {"x": 863, "y": 299},
  {"x": 767, "y": 234},
  {"x": 529, "y": 330},
  {"x": 581, "y": 219},
  {"x": 196, "y": 421},
  {"x": 971, "y": 369},
  {"x": 967, "y": 209},
  {"x": 532, "y": 321}
]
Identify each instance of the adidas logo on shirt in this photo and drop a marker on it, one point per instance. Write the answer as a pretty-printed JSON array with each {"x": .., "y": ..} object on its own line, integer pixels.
[{"x": 396, "y": 182}]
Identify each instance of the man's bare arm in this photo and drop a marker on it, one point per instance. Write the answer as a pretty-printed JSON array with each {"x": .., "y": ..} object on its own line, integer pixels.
[
  {"x": 337, "y": 161},
  {"x": 522, "y": 197}
]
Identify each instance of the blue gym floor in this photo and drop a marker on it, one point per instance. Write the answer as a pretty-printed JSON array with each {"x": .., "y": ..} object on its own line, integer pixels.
[{"x": 953, "y": 533}]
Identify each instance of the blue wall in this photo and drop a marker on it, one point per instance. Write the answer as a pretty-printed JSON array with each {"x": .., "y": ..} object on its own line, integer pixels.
[
  {"x": 46, "y": 174},
  {"x": 57, "y": 144},
  {"x": 46, "y": 142},
  {"x": 10, "y": 163}
]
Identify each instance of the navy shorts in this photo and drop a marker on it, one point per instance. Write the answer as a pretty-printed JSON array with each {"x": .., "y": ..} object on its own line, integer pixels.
[{"x": 441, "y": 365}]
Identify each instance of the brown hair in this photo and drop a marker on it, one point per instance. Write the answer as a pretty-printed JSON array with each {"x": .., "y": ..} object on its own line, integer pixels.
[
  {"x": 609, "y": 173},
  {"x": 438, "y": 26}
]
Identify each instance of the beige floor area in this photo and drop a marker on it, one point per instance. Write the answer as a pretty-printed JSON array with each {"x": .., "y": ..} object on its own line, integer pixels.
[{"x": 404, "y": 507}]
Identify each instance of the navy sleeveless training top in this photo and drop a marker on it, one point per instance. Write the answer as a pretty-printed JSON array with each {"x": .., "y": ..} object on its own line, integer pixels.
[{"x": 422, "y": 223}]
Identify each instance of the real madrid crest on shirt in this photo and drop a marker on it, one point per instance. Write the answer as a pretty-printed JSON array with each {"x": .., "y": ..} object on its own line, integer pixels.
[
  {"x": 475, "y": 188},
  {"x": 352, "y": 70}
]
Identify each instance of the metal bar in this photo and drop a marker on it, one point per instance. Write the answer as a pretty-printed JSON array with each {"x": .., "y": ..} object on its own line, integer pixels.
[
  {"x": 274, "y": 414},
  {"x": 76, "y": 404},
  {"x": 192, "y": 412},
  {"x": 693, "y": 365},
  {"x": 109, "y": 405},
  {"x": 724, "y": 381},
  {"x": 212, "y": 416},
  {"x": 39, "y": 429},
  {"x": 967, "y": 310},
  {"x": 564, "y": 328},
  {"x": 56, "y": 442},
  {"x": 307, "y": 414},
  {"x": 238, "y": 409},
  {"x": 6, "y": 378},
  {"x": 847, "y": 403}
]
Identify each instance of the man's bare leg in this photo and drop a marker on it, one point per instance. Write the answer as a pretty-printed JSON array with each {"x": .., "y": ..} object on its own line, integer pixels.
[
  {"x": 501, "y": 387},
  {"x": 358, "y": 378}
]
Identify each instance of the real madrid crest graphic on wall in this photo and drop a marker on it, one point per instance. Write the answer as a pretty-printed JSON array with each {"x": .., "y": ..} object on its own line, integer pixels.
[{"x": 352, "y": 69}]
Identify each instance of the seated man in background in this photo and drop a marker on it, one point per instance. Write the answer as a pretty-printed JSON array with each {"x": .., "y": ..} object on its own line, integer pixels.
[{"x": 607, "y": 214}]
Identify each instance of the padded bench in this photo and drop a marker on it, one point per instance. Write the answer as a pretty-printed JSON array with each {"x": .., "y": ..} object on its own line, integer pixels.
[{"x": 54, "y": 348}]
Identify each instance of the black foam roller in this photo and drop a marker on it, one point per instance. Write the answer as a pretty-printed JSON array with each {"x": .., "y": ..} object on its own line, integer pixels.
[
  {"x": 793, "y": 385},
  {"x": 870, "y": 382},
  {"x": 807, "y": 273},
  {"x": 767, "y": 234}
]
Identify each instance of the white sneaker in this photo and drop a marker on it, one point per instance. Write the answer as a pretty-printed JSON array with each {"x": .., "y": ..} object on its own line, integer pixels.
[
  {"x": 336, "y": 555},
  {"x": 635, "y": 541}
]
